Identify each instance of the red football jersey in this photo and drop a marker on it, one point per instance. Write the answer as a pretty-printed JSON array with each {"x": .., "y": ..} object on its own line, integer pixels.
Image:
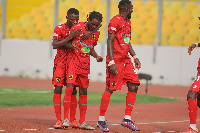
[
  {"x": 81, "y": 57},
  {"x": 121, "y": 44},
  {"x": 60, "y": 32}
]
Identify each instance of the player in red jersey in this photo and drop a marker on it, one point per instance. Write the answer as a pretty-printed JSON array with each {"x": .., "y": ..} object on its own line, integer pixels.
[
  {"x": 193, "y": 94},
  {"x": 61, "y": 39},
  {"x": 120, "y": 69},
  {"x": 78, "y": 65}
]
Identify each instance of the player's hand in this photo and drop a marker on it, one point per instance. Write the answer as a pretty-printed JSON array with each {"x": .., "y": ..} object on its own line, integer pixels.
[
  {"x": 113, "y": 69},
  {"x": 76, "y": 33},
  {"x": 75, "y": 46},
  {"x": 137, "y": 63},
  {"x": 85, "y": 35},
  {"x": 99, "y": 59},
  {"x": 191, "y": 47}
]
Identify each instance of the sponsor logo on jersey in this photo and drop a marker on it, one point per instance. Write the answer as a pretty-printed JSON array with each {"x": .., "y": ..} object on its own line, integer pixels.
[
  {"x": 85, "y": 50},
  {"x": 113, "y": 28},
  {"x": 58, "y": 79},
  {"x": 114, "y": 83},
  {"x": 127, "y": 39},
  {"x": 70, "y": 77}
]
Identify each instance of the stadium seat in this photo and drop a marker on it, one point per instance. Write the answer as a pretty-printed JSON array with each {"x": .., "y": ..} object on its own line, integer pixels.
[
  {"x": 189, "y": 39},
  {"x": 165, "y": 5},
  {"x": 26, "y": 18},
  {"x": 154, "y": 12},
  {"x": 42, "y": 25},
  {"x": 47, "y": 5},
  {"x": 195, "y": 13},
  {"x": 38, "y": 19},
  {"x": 172, "y": 17},
  {"x": 12, "y": 24},
  {"x": 144, "y": 16},
  {"x": 192, "y": 24},
  {"x": 185, "y": 18},
  {"x": 96, "y": 3},
  {"x": 183, "y": 11},
  {"x": 101, "y": 36},
  {"x": 34, "y": 36},
  {"x": 137, "y": 22},
  {"x": 62, "y": 13},
  {"x": 167, "y": 30},
  {"x": 150, "y": 4},
  {"x": 84, "y": 2},
  {"x": 36, "y": 11},
  {"x": 175, "y": 39},
  {"x": 179, "y": 24},
  {"x": 140, "y": 29},
  {"x": 164, "y": 40},
  {"x": 46, "y": 34},
  {"x": 31, "y": 30},
  {"x": 135, "y": 38},
  {"x": 169, "y": 11},
  {"x": 48, "y": 12},
  {"x": 152, "y": 30},
  {"x": 190, "y": 5},
  {"x": 166, "y": 23},
  {"x": 147, "y": 39},
  {"x": 151, "y": 22},
  {"x": 176, "y": 5},
  {"x": 28, "y": 25},
  {"x": 18, "y": 32},
  {"x": 137, "y": 4},
  {"x": 181, "y": 30},
  {"x": 195, "y": 32}
]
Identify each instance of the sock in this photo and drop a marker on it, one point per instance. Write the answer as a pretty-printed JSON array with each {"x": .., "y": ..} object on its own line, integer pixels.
[
  {"x": 193, "y": 126},
  {"x": 130, "y": 101},
  {"x": 82, "y": 107},
  {"x": 73, "y": 107},
  {"x": 127, "y": 117},
  {"x": 192, "y": 107},
  {"x": 104, "y": 102},
  {"x": 67, "y": 101},
  {"x": 57, "y": 105},
  {"x": 101, "y": 118}
]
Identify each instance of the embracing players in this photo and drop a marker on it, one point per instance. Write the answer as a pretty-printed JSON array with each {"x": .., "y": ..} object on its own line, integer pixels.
[
  {"x": 120, "y": 69},
  {"x": 78, "y": 65}
]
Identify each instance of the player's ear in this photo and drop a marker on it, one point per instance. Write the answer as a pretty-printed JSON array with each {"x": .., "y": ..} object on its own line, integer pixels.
[{"x": 66, "y": 17}]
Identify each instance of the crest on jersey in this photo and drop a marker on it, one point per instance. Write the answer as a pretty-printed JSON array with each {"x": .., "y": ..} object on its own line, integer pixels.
[
  {"x": 127, "y": 39},
  {"x": 58, "y": 79},
  {"x": 85, "y": 50},
  {"x": 114, "y": 83},
  {"x": 93, "y": 36},
  {"x": 70, "y": 77}
]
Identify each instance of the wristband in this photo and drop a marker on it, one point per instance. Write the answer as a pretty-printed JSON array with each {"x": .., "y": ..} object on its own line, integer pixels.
[
  {"x": 111, "y": 63},
  {"x": 197, "y": 44},
  {"x": 135, "y": 57}
]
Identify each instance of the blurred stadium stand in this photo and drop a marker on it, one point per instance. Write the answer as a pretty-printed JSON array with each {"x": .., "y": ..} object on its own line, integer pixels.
[{"x": 33, "y": 19}]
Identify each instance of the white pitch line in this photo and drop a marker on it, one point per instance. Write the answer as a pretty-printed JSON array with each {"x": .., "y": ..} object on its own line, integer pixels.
[
  {"x": 50, "y": 128},
  {"x": 30, "y": 129},
  {"x": 2, "y": 130}
]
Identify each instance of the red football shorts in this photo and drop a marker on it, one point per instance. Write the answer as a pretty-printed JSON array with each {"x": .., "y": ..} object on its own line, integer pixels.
[
  {"x": 81, "y": 80},
  {"x": 125, "y": 72},
  {"x": 196, "y": 85},
  {"x": 59, "y": 75}
]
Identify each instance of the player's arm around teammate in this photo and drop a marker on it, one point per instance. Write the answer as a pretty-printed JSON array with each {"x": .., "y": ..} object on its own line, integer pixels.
[{"x": 193, "y": 94}]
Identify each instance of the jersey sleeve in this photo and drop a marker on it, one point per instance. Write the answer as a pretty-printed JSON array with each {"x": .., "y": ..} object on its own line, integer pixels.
[
  {"x": 113, "y": 26},
  {"x": 57, "y": 35}
]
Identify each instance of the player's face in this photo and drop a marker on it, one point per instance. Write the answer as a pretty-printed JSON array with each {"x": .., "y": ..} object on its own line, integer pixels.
[
  {"x": 73, "y": 19},
  {"x": 93, "y": 24},
  {"x": 130, "y": 10}
]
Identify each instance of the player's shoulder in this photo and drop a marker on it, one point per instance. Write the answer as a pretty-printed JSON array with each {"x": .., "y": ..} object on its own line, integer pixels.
[
  {"x": 60, "y": 26},
  {"x": 116, "y": 18}
]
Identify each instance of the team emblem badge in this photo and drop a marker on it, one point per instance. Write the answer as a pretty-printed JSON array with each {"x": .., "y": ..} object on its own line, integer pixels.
[
  {"x": 58, "y": 79},
  {"x": 126, "y": 39},
  {"x": 114, "y": 83},
  {"x": 93, "y": 36},
  {"x": 85, "y": 50},
  {"x": 70, "y": 77}
]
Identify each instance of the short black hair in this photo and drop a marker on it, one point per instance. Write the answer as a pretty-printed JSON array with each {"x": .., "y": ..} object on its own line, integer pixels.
[
  {"x": 95, "y": 15},
  {"x": 123, "y": 4},
  {"x": 73, "y": 11}
]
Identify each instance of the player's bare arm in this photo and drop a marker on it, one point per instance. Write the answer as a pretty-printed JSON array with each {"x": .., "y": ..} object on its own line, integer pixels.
[
  {"x": 95, "y": 55},
  {"x": 136, "y": 60},
  {"x": 191, "y": 47},
  {"x": 113, "y": 67},
  {"x": 86, "y": 34},
  {"x": 57, "y": 44}
]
